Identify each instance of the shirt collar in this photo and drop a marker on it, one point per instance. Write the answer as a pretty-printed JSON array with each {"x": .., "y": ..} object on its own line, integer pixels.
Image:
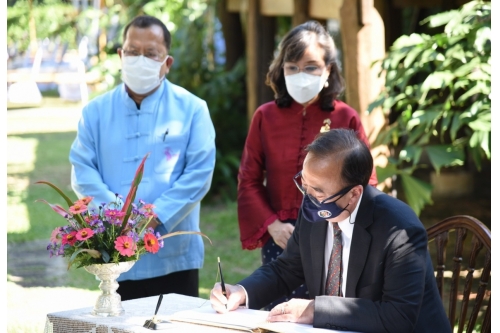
[{"x": 346, "y": 226}]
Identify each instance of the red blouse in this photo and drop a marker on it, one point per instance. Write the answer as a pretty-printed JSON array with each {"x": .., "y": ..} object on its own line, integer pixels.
[{"x": 273, "y": 154}]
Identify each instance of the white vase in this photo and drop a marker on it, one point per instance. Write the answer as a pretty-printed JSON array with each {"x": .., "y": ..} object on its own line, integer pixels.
[{"x": 109, "y": 303}]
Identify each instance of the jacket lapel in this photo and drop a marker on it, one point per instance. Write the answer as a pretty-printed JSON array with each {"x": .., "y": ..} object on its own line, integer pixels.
[
  {"x": 361, "y": 240},
  {"x": 317, "y": 241}
]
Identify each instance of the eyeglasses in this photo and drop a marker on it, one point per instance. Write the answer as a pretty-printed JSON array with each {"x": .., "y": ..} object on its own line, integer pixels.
[
  {"x": 298, "y": 178},
  {"x": 150, "y": 54},
  {"x": 309, "y": 69}
]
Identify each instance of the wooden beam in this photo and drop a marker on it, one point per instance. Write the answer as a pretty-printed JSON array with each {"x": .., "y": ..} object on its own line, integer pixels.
[
  {"x": 325, "y": 9},
  {"x": 276, "y": 7}
]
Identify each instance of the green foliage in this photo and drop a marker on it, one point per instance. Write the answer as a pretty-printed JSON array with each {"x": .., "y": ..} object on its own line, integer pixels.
[
  {"x": 196, "y": 69},
  {"x": 437, "y": 98},
  {"x": 52, "y": 18}
]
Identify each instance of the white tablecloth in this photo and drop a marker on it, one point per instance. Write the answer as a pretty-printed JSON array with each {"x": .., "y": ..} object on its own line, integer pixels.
[{"x": 136, "y": 313}]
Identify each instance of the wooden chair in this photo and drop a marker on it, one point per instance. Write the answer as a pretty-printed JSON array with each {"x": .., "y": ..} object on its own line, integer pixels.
[{"x": 471, "y": 278}]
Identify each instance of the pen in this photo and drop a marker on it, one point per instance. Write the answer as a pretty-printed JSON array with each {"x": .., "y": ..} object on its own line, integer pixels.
[
  {"x": 164, "y": 135},
  {"x": 222, "y": 280}
]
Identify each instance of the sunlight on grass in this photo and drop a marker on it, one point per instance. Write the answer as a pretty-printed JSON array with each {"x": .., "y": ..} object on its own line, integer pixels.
[
  {"x": 21, "y": 160},
  {"x": 26, "y": 314}
]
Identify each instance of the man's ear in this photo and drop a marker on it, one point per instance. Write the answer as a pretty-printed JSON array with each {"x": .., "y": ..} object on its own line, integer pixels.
[
  {"x": 119, "y": 51},
  {"x": 169, "y": 62},
  {"x": 355, "y": 194}
]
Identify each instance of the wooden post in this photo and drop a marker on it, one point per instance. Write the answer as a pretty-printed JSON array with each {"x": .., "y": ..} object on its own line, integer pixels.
[
  {"x": 300, "y": 12},
  {"x": 260, "y": 47},
  {"x": 362, "y": 30}
]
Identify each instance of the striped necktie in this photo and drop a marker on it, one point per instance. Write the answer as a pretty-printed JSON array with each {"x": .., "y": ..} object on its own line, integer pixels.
[{"x": 333, "y": 285}]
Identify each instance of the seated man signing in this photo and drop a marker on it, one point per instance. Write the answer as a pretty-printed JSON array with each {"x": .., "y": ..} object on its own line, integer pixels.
[{"x": 362, "y": 253}]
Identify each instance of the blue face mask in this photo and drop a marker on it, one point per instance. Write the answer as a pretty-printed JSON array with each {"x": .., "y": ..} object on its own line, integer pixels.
[{"x": 315, "y": 211}]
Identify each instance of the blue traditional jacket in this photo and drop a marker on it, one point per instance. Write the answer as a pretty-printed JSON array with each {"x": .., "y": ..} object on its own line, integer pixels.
[{"x": 174, "y": 126}]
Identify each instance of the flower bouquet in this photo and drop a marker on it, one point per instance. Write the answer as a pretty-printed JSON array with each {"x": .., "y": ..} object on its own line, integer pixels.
[{"x": 115, "y": 232}]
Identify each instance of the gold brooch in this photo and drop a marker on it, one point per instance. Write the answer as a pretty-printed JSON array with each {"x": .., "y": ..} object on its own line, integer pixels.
[{"x": 326, "y": 126}]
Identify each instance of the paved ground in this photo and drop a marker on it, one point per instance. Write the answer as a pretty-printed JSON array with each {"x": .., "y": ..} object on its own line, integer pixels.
[{"x": 29, "y": 265}]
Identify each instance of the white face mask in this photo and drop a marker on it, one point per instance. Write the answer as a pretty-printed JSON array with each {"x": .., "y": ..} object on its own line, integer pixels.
[
  {"x": 304, "y": 87},
  {"x": 141, "y": 74}
]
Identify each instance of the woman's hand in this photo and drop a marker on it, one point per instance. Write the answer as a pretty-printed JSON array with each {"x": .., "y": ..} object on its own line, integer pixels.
[
  {"x": 235, "y": 296},
  {"x": 280, "y": 232},
  {"x": 295, "y": 310}
]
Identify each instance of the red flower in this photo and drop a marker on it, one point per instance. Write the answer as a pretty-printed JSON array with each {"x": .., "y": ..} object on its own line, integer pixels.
[
  {"x": 84, "y": 234},
  {"x": 78, "y": 208},
  {"x": 151, "y": 243},
  {"x": 69, "y": 238},
  {"x": 125, "y": 245}
]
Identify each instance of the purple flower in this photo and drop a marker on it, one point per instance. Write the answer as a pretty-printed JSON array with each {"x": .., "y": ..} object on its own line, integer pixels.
[
  {"x": 160, "y": 241},
  {"x": 132, "y": 234}
]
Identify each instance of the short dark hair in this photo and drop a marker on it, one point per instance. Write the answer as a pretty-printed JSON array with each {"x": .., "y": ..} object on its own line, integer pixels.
[
  {"x": 291, "y": 48},
  {"x": 145, "y": 21},
  {"x": 345, "y": 147}
]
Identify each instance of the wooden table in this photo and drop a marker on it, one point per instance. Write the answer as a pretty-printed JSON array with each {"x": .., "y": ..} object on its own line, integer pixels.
[{"x": 136, "y": 313}]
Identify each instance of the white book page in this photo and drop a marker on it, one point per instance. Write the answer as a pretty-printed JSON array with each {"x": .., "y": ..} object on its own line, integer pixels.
[{"x": 245, "y": 320}]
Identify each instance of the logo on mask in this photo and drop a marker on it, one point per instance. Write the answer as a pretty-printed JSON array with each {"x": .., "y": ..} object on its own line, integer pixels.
[{"x": 324, "y": 214}]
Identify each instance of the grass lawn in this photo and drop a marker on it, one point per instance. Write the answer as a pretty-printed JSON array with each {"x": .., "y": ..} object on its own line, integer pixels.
[{"x": 38, "y": 142}]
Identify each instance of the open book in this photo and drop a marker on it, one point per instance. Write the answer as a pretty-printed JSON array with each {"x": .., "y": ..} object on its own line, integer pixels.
[{"x": 242, "y": 319}]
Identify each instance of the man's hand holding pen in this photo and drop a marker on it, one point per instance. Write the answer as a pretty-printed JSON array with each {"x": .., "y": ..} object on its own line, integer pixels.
[{"x": 235, "y": 296}]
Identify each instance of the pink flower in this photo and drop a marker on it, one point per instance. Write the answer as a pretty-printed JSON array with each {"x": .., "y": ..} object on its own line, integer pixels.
[
  {"x": 125, "y": 245},
  {"x": 78, "y": 208},
  {"x": 151, "y": 243},
  {"x": 114, "y": 213},
  {"x": 84, "y": 234},
  {"x": 54, "y": 235},
  {"x": 69, "y": 238}
]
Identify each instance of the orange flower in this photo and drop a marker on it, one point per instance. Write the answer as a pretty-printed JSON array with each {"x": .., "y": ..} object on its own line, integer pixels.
[
  {"x": 85, "y": 201},
  {"x": 151, "y": 243}
]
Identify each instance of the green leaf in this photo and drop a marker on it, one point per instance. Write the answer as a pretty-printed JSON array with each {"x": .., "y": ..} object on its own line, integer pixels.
[
  {"x": 410, "y": 154},
  {"x": 412, "y": 55},
  {"x": 445, "y": 155},
  {"x": 61, "y": 193},
  {"x": 479, "y": 88},
  {"x": 417, "y": 192},
  {"x": 438, "y": 20},
  {"x": 482, "y": 140},
  {"x": 483, "y": 36},
  {"x": 105, "y": 255},
  {"x": 93, "y": 253},
  {"x": 385, "y": 172},
  {"x": 437, "y": 80}
]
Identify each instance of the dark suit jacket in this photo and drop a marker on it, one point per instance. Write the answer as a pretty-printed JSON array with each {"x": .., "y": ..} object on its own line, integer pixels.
[{"x": 390, "y": 283}]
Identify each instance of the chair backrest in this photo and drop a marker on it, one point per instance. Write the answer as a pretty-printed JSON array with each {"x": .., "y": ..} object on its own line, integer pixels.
[{"x": 463, "y": 283}]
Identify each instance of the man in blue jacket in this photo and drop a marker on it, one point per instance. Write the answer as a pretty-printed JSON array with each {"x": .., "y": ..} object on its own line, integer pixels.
[{"x": 148, "y": 114}]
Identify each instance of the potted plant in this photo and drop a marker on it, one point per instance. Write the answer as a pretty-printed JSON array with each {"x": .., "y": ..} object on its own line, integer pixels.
[{"x": 437, "y": 100}]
